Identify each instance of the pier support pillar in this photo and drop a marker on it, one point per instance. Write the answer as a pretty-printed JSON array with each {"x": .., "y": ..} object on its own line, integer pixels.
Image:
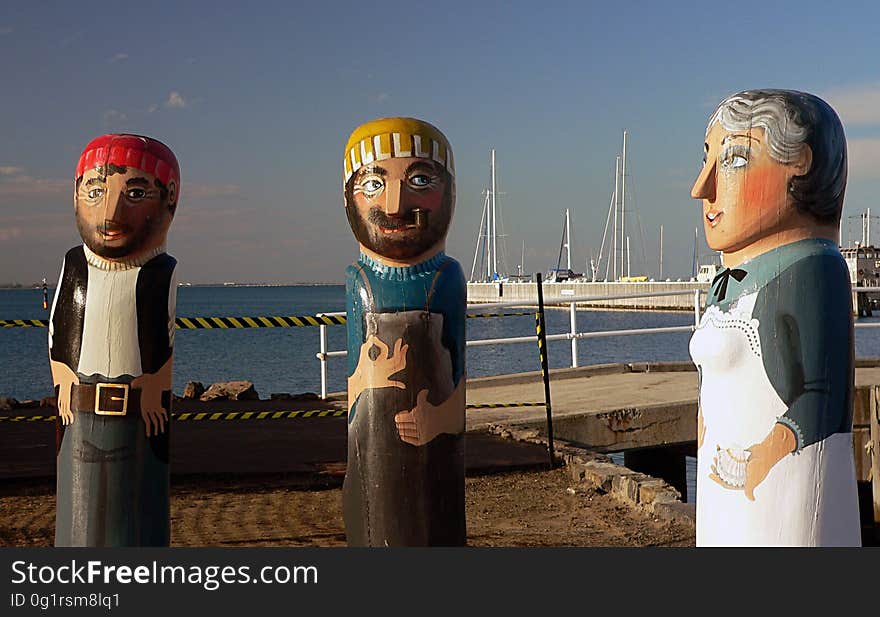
[{"x": 666, "y": 462}]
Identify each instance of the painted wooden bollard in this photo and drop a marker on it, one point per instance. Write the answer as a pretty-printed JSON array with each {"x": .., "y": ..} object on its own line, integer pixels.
[
  {"x": 406, "y": 300},
  {"x": 774, "y": 348},
  {"x": 111, "y": 336}
]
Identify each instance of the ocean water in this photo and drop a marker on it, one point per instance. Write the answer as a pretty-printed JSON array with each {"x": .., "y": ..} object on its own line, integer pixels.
[{"x": 283, "y": 359}]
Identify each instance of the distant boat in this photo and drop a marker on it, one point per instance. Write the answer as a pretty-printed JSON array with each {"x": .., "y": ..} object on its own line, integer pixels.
[
  {"x": 707, "y": 273},
  {"x": 487, "y": 236}
]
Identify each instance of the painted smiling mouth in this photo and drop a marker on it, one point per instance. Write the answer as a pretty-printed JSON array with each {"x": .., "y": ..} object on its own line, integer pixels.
[
  {"x": 113, "y": 233},
  {"x": 713, "y": 217}
]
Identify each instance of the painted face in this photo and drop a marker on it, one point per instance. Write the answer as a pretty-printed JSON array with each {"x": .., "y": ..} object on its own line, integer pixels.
[
  {"x": 400, "y": 207},
  {"x": 122, "y": 213},
  {"x": 743, "y": 189}
]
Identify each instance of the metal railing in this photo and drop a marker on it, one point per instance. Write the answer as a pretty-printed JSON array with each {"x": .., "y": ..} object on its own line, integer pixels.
[{"x": 572, "y": 335}]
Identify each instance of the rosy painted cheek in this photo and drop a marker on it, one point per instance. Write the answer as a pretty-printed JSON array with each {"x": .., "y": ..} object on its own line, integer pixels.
[
  {"x": 762, "y": 188},
  {"x": 429, "y": 201}
]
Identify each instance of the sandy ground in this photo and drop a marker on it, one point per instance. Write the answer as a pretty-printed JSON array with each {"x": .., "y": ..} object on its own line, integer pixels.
[{"x": 520, "y": 508}]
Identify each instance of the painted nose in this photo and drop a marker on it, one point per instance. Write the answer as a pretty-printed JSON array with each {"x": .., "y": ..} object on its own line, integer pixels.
[
  {"x": 115, "y": 210},
  {"x": 704, "y": 186},
  {"x": 392, "y": 198}
]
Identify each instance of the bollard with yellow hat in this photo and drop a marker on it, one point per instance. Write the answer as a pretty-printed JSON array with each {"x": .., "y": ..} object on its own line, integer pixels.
[{"x": 404, "y": 485}]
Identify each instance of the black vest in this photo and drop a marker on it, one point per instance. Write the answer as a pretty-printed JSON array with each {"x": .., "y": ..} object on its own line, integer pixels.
[{"x": 68, "y": 318}]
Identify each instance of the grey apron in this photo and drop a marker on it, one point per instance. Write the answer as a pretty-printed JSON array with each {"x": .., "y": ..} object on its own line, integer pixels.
[{"x": 397, "y": 494}]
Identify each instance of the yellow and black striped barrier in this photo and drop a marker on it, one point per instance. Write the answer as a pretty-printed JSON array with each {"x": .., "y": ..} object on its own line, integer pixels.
[
  {"x": 193, "y": 416},
  {"x": 199, "y": 416},
  {"x": 488, "y": 315},
  {"x": 204, "y": 323},
  {"x": 24, "y": 323},
  {"x": 291, "y": 321}
]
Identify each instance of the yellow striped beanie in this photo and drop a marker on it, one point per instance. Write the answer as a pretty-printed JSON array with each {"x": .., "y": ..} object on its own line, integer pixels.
[{"x": 385, "y": 138}]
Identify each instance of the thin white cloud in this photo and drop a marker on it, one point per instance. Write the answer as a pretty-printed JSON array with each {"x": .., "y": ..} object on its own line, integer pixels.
[
  {"x": 175, "y": 100},
  {"x": 856, "y": 105},
  {"x": 39, "y": 226},
  {"x": 8, "y": 233},
  {"x": 71, "y": 39},
  {"x": 119, "y": 57},
  {"x": 381, "y": 97},
  {"x": 863, "y": 156},
  {"x": 15, "y": 183},
  {"x": 152, "y": 108},
  {"x": 114, "y": 117},
  {"x": 206, "y": 191}
]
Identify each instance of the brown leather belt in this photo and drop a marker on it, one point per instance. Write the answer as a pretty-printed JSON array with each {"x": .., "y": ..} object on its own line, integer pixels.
[{"x": 105, "y": 399}]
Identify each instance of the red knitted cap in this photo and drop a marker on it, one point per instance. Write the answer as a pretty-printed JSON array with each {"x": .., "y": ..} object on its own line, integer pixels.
[{"x": 144, "y": 153}]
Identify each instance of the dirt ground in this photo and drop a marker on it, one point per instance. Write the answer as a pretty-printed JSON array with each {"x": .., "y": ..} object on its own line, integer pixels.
[{"x": 521, "y": 508}]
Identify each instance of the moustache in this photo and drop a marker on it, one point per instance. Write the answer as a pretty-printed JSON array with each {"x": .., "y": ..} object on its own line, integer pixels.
[{"x": 415, "y": 218}]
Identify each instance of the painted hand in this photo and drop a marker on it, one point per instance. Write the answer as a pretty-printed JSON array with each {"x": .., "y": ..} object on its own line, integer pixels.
[
  {"x": 414, "y": 426},
  {"x": 425, "y": 421},
  {"x": 764, "y": 456},
  {"x": 701, "y": 427},
  {"x": 152, "y": 412},
  {"x": 64, "y": 410},
  {"x": 65, "y": 378},
  {"x": 376, "y": 373}
]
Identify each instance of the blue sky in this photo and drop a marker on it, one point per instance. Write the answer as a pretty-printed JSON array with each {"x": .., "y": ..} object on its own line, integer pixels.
[{"x": 257, "y": 100}]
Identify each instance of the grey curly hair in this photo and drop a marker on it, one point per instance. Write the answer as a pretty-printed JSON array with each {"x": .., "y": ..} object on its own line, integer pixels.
[{"x": 790, "y": 119}]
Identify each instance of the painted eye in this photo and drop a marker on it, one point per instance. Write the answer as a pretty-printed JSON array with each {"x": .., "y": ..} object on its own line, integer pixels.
[
  {"x": 95, "y": 193},
  {"x": 371, "y": 185},
  {"x": 733, "y": 161},
  {"x": 420, "y": 180},
  {"x": 136, "y": 194}
]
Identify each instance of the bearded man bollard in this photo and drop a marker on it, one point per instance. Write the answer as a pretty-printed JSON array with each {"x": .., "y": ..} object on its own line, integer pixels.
[
  {"x": 111, "y": 337},
  {"x": 774, "y": 348},
  {"x": 404, "y": 484}
]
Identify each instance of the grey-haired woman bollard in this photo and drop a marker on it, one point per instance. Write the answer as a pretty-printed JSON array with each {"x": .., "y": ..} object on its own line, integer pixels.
[{"x": 774, "y": 348}]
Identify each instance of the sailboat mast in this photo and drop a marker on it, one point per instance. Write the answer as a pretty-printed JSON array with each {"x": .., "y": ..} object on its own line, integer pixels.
[
  {"x": 614, "y": 248},
  {"x": 623, "y": 201},
  {"x": 568, "y": 239},
  {"x": 479, "y": 238},
  {"x": 661, "y": 253},
  {"x": 494, "y": 227},
  {"x": 488, "y": 239}
]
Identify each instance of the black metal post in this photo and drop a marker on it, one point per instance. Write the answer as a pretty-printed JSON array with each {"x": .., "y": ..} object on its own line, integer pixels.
[{"x": 545, "y": 371}]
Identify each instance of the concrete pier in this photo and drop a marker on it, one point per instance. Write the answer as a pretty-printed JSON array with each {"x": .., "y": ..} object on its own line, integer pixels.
[
  {"x": 648, "y": 411},
  {"x": 560, "y": 292}
]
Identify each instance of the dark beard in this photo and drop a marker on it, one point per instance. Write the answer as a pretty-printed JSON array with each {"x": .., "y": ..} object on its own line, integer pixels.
[
  {"x": 402, "y": 245},
  {"x": 92, "y": 238}
]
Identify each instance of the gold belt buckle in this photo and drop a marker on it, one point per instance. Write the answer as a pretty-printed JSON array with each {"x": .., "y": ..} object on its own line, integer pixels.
[{"x": 123, "y": 398}]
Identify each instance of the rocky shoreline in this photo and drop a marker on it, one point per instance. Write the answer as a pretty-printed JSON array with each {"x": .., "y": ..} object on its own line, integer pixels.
[{"x": 234, "y": 390}]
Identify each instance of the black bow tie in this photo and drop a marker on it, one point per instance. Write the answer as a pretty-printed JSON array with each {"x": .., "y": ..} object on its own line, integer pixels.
[{"x": 724, "y": 277}]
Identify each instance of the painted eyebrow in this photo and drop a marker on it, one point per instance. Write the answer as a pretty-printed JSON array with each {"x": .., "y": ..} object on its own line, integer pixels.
[
  {"x": 92, "y": 181},
  {"x": 137, "y": 182},
  {"x": 379, "y": 171},
  {"x": 423, "y": 166},
  {"x": 741, "y": 136}
]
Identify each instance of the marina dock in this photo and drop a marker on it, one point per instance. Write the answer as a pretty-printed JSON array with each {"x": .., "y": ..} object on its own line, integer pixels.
[{"x": 555, "y": 292}]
